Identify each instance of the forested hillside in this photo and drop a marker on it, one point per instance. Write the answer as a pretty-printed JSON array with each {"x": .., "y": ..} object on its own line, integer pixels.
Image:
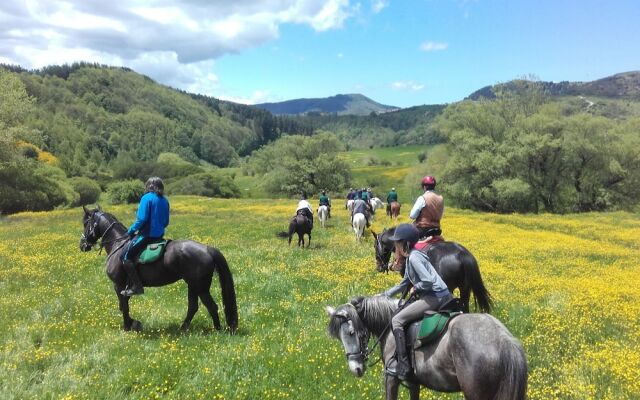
[
  {"x": 108, "y": 124},
  {"x": 412, "y": 125},
  {"x": 117, "y": 112}
]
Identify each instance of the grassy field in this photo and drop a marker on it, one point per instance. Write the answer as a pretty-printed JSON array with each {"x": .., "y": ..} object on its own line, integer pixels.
[
  {"x": 567, "y": 286},
  {"x": 379, "y": 168}
]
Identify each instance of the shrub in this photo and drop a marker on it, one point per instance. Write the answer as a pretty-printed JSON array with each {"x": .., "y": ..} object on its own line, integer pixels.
[
  {"x": 210, "y": 184},
  {"x": 125, "y": 191},
  {"x": 421, "y": 157},
  {"x": 88, "y": 190}
]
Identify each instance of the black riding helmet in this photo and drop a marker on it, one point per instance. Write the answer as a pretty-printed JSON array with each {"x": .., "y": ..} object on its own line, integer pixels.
[{"x": 406, "y": 232}]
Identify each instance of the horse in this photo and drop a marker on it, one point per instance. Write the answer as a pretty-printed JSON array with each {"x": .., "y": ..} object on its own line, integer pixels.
[
  {"x": 350, "y": 205},
  {"x": 394, "y": 210},
  {"x": 359, "y": 223},
  {"x": 476, "y": 355},
  {"x": 300, "y": 225},
  {"x": 191, "y": 261},
  {"x": 323, "y": 212},
  {"x": 376, "y": 204},
  {"x": 457, "y": 267}
]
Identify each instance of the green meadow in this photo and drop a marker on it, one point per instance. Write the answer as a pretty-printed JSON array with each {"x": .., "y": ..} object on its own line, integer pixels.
[{"x": 563, "y": 285}]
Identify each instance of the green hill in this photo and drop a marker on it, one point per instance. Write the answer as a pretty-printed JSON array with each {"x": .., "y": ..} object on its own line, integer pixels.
[
  {"x": 341, "y": 104},
  {"x": 88, "y": 115}
]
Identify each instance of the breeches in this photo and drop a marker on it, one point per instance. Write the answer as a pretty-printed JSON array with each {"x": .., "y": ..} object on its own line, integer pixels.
[{"x": 416, "y": 310}]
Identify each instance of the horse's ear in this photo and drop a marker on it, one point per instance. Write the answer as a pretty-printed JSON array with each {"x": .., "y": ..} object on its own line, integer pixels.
[
  {"x": 98, "y": 207},
  {"x": 375, "y": 235},
  {"x": 330, "y": 310},
  {"x": 85, "y": 209}
]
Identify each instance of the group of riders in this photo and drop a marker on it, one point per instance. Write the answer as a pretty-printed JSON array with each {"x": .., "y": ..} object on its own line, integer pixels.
[{"x": 426, "y": 288}]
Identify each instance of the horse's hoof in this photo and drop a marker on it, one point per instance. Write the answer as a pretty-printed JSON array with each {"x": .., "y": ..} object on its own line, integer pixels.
[
  {"x": 136, "y": 326},
  {"x": 184, "y": 327}
]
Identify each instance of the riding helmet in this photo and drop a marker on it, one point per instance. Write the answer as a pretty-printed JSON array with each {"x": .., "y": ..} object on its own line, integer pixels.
[
  {"x": 406, "y": 232},
  {"x": 429, "y": 181}
]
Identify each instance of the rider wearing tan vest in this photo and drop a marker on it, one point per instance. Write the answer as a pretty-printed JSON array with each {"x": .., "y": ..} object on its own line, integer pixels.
[{"x": 428, "y": 209}]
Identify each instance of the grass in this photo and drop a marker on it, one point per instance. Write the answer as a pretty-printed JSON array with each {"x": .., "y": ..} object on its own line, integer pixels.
[{"x": 566, "y": 287}]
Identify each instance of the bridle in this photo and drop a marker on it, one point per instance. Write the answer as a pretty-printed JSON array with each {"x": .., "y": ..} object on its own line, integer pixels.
[
  {"x": 379, "y": 255},
  {"x": 363, "y": 340},
  {"x": 92, "y": 233}
]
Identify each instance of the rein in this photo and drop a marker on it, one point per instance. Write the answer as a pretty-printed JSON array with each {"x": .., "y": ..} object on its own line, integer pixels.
[{"x": 384, "y": 331}]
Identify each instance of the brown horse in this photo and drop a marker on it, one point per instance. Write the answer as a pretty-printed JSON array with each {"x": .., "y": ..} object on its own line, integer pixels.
[{"x": 394, "y": 210}]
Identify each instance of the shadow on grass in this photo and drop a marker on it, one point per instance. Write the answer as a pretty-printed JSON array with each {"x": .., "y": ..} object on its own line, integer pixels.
[{"x": 173, "y": 330}]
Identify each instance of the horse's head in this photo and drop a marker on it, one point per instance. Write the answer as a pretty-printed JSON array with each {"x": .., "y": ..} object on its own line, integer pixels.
[
  {"x": 96, "y": 223},
  {"x": 345, "y": 324},
  {"x": 382, "y": 251}
]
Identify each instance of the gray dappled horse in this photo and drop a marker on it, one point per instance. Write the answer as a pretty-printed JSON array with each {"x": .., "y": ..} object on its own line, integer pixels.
[
  {"x": 191, "y": 261},
  {"x": 476, "y": 355},
  {"x": 301, "y": 225},
  {"x": 457, "y": 267}
]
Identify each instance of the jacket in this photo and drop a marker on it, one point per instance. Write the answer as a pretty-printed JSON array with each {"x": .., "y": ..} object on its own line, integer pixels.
[{"x": 152, "y": 217}]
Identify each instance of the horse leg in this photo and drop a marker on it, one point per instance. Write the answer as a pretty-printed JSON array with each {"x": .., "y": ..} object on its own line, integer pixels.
[
  {"x": 192, "y": 308},
  {"x": 414, "y": 392},
  {"x": 212, "y": 307},
  {"x": 391, "y": 384},
  {"x": 128, "y": 323},
  {"x": 309, "y": 242},
  {"x": 465, "y": 295}
]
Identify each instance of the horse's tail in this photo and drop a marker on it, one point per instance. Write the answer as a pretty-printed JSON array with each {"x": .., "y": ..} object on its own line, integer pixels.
[
  {"x": 227, "y": 287},
  {"x": 513, "y": 385},
  {"x": 481, "y": 295}
]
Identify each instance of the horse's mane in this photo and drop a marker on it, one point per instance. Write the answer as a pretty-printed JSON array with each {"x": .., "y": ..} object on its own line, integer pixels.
[{"x": 374, "y": 313}]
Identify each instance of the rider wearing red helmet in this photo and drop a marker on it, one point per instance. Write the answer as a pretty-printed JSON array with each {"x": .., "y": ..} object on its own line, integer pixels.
[{"x": 428, "y": 209}]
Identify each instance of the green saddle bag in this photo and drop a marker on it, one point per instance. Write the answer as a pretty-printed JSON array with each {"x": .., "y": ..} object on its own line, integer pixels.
[
  {"x": 152, "y": 252},
  {"x": 433, "y": 325}
]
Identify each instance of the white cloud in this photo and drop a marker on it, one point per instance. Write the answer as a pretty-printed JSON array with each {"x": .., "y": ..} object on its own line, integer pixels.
[
  {"x": 433, "y": 46},
  {"x": 407, "y": 86},
  {"x": 259, "y": 96},
  {"x": 379, "y": 5},
  {"x": 173, "y": 41}
]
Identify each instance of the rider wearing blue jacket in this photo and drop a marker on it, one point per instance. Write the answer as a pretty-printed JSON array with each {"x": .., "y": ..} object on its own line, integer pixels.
[{"x": 151, "y": 220}]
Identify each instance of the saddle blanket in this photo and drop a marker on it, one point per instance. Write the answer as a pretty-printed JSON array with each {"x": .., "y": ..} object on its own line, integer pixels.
[
  {"x": 152, "y": 252},
  {"x": 432, "y": 326}
]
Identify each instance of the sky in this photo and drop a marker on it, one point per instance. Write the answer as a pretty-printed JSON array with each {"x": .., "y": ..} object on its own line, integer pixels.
[{"x": 397, "y": 52}]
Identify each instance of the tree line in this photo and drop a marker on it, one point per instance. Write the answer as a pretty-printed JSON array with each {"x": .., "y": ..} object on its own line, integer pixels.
[{"x": 522, "y": 152}]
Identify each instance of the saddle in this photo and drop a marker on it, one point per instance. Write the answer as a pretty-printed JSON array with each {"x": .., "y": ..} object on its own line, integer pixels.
[
  {"x": 433, "y": 325},
  {"x": 152, "y": 252}
]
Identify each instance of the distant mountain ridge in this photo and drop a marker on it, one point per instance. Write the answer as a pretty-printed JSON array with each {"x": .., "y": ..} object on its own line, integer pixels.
[
  {"x": 624, "y": 85},
  {"x": 341, "y": 104}
]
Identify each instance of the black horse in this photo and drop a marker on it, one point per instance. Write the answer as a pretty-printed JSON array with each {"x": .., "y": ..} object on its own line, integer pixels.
[
  {"x": 301, "y": 225},
  {"x": 191, "y": 261},
  {"x": 456, "y": 266}
]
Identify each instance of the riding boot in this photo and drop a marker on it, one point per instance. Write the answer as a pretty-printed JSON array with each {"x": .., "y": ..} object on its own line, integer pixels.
[
  {"x": 403, "y": 368},
  {"x": 134, "y": 286}
]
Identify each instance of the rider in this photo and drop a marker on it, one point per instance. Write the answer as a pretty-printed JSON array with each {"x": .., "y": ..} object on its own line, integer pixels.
[
  {"x": 350, "y": 196},
  {"x": 362, "y": 207},
  {"x": 428, "y": 209},
  {"x": 325, "y": 201},
  {"x": 426, "y": 285},
  {"x": 151, "y": 220},
  {"x": 391, "y": 197},
  {"x": 304, "y": 207}
]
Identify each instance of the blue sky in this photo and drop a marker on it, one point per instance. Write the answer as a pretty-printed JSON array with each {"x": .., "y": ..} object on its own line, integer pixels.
[{"x": 397, "y": 52}]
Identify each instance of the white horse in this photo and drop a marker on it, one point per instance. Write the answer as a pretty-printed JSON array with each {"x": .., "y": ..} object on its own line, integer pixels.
[
  {"x": 359, "y": 222},
  {"x": 350, "y": 205},
  {"x": 376, "y": 204},
  {"x": 323, "y": 212}
]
